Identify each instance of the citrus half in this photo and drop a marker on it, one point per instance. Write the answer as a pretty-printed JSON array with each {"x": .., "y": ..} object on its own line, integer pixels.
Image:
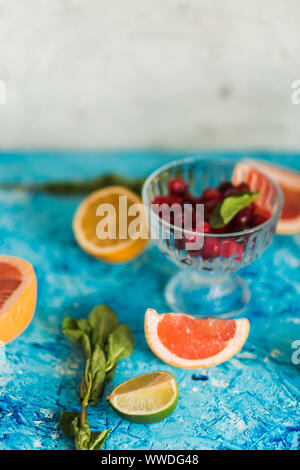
[
  {"x": 18, "y": 292},
  {"x": 113, "y": 249},
  {"x": 146, "y": 399}
]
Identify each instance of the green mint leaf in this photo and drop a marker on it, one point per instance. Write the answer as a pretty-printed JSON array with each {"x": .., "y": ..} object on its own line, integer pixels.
[
  {"x": 119, "y": 345},
  {"x": 66, "y": 420},
  {"x": 97, "y": 439},
  {"x": 102, "y": 321},
  {"x": 229, "y": 207},
  {"x": 110, "y": 374},
  {"x": 82, "y": 434},
  {"x": 73, "y": 329},
  {"x": 92, "y": 383}
]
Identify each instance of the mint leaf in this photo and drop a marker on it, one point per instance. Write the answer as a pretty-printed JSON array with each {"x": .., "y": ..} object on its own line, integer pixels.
[
  {"x": 229, "y": 207},
  {"x": 66, "y": 420},
  {"x": 97, "y": 439},
  {"x": 82, "y": 434},
  {"x": 77, "y": 331},
  {"x": 93, "y": 380},
  {"x": 119, "y": 345},
  {"x": 102, "y": 321}
]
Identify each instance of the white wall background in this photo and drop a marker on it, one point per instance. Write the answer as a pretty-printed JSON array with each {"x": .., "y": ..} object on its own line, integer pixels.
[{"x": 149, "y": 73}]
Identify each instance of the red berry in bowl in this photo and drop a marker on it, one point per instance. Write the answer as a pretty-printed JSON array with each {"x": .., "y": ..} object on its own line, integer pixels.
[
  {"x": 260, "y": 216},
  {"x": 227, "y": 248},
  {"x": 209, "y": 207},
  {"x": 224, "y": 186},
  {"x": 231, "y": 192},
  {"x": 178, "y": 186},
  {"x": 159, "y": 200},
  {"x": 210, "y": 194},
  {"x": 210, "y": 248},
  {"x": 174, "y": 199},
  {"x": 242, "y": 220},
  {"x": 243, "y": 187}
]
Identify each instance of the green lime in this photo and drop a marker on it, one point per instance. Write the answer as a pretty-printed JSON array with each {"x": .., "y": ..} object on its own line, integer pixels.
[{"x": 146, "y": 399}]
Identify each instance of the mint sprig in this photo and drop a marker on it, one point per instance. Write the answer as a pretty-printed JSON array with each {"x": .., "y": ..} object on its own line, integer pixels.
[
  {"x": 104, "y": 342},
  {"x": 229, "y": 207}
]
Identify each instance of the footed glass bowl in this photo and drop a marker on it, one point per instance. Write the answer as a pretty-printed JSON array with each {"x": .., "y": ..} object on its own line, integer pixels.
[{"x": 207, "y": 285}]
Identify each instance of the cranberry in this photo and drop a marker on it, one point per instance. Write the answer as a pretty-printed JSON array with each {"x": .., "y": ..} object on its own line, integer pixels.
[
  {"x": 188, "y": 198},
  {"x": 209, "y": 207},
  {"x": 259, "y": 219},
  {"x": 174, "y": 199},
  {"x": 239, "y": 250},
  {"x": 211, "y": 194},
  {"x": 161, "y": 200},
  {"x": 178, "y": 186},
  {"x": 210, "y": 248},
  {"x": 227, "y": 248},
  {"x": 224, "y": 186},
  {"x": 231, "y": 192},
  {"x": 206, "y": 228},
  {"x": 260, "y": 216},
  {"x": 243, "y": 187},
  {"x": 242, "y": 219}
]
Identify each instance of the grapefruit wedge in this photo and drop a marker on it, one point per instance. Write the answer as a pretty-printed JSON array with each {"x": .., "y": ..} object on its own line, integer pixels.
[
  {"x": 17, "y": 297},
  {"x": 183, "y": 341},
  {"x": 288, "y": 180}
]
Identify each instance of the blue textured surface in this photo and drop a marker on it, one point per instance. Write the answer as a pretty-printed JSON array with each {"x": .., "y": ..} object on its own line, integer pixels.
[{"x": 249, "y": 402}]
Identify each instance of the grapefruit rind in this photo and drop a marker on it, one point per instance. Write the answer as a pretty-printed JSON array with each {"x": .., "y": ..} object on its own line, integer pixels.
[
  {"x": 18, "y": 310},
  {"x": 152, "y": 319},
  {"x": 124, "y": 250}
]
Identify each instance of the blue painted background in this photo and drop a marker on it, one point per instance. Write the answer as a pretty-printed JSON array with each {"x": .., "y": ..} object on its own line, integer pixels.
[{"x": 249, "y": 402}]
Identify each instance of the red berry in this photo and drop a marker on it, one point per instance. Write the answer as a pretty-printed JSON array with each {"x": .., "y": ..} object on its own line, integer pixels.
[
  {"x": 227, "y": 248},
  {"x": 174, "y": 199},
  {"x": 259, "y": 219},
  {"x": 242, "y": 219},
  {"x": 224, "y": 186},
  {"x": 239, "y": 250},
  {"x": 206, "y": 228},
  {"x": 161, "y": 200},
  {"x": 209, "y": 207},
  {"x": 231, "y": 192},
  {"x": 178, "y": 186},
  {"x": 243, "y": 187},
  {"x": 260, "y": 216},
  {"x": 211, "y": 194},
  {"x": 210, "y": 248}
]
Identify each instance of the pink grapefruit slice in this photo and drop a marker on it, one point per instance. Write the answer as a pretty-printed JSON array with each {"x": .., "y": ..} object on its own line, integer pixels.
[
  {"x": 183, "y": 341},
  {"x": 288, "y": 180},
  {"x": 18, "y": 293}
]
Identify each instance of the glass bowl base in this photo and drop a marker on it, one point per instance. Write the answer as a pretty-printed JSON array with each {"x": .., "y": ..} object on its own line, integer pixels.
[{"x": 224, "y": 296}]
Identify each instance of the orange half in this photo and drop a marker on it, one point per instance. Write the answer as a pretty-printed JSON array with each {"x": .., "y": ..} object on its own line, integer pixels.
[
  {"x": 86, "y": 220},
  {"x": 183, "y": 341},
  {"x": 18, "y": 291}
]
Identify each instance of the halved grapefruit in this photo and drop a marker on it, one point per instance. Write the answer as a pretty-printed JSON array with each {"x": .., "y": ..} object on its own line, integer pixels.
[
  {"x": 18, "y": 291},
  {"x": 183, "y": 341},
  {"x": 289, "y": 181}
]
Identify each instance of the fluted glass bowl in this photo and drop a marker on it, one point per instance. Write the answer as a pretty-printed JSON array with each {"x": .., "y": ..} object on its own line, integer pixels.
[{"x": 209, "y": 286}]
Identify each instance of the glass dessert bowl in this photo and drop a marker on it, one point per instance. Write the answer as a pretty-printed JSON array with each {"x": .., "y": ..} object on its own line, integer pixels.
[{"x": 206, "y": 284}]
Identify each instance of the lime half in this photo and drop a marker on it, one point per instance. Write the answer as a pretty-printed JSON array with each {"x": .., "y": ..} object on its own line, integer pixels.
[{"x": 146, "y": 399}]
